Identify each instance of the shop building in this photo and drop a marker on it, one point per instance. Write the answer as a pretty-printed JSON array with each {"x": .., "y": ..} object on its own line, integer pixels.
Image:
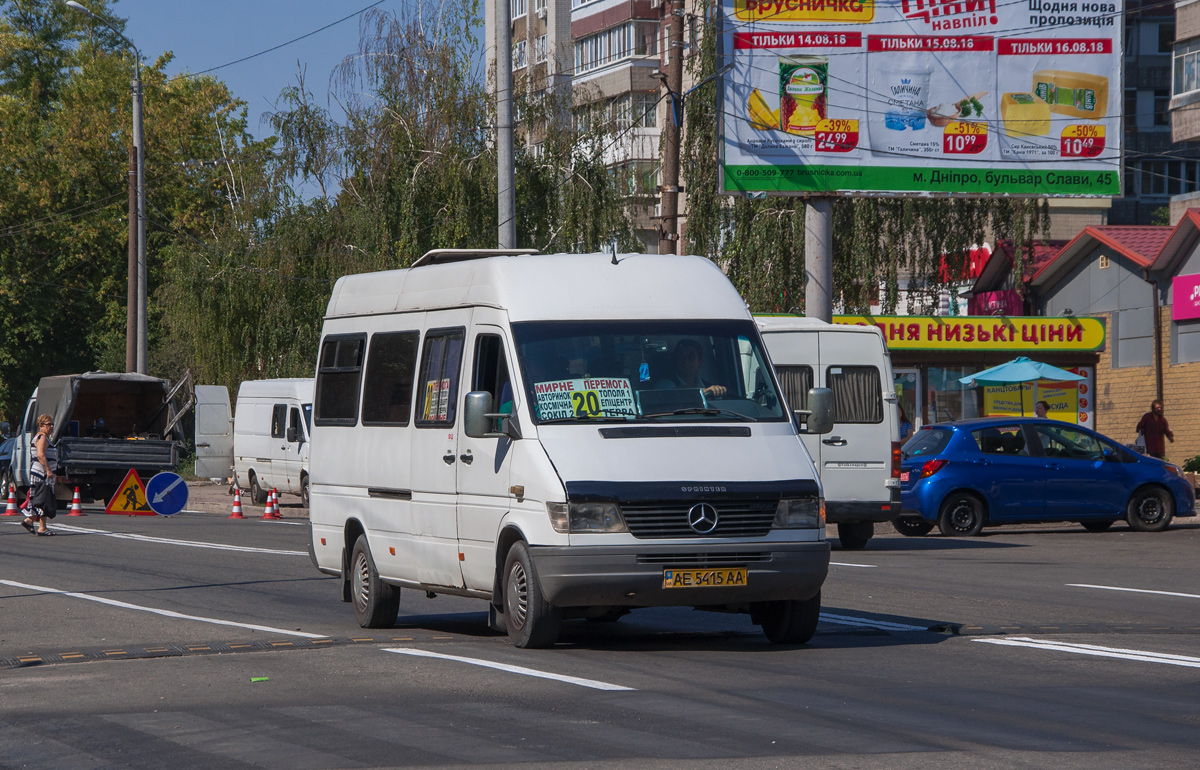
[{"x": 930, "y": 354}]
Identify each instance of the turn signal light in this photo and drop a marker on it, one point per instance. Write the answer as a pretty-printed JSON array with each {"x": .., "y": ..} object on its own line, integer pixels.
[{"x": 931, "y": 467}]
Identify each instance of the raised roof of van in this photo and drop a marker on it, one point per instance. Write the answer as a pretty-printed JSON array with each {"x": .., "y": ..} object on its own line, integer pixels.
[
  {"x": 795, "y": 323},
  {"x": 534, "y": 287}
]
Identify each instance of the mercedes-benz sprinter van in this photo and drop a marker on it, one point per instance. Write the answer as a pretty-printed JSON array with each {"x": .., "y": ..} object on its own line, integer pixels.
[{"x": 561, "y": 436}]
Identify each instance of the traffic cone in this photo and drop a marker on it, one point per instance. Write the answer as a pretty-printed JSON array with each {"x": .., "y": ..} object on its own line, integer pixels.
[
  {"x": 275, "y": 504},
  {"x": 269, "y": 512},
  {"x": 237, "y": 505},
  {"x": 11, "y": 508},
  {"x": 76, "y": 506}
]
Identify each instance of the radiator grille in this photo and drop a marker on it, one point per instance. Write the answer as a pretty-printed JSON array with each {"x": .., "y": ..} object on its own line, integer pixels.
[
  {"x": 735, "y": 518},
  {"x": 701, "y": 560}
]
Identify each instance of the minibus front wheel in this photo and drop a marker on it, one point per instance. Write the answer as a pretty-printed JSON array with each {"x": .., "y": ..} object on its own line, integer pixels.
[
  {"x": 531, "y": 620},
  {"x": 376, "y": 603},
  {"x": 788, "y": 622}
]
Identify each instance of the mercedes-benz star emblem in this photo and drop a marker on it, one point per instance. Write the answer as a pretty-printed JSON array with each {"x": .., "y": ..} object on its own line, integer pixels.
[{"x": 702, "y": 517}]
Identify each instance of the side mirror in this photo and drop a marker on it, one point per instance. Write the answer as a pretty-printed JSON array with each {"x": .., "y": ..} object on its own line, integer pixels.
[
  {"x": 478, "y": 419},
  {"x": 291, "y": 434},
  {"x": 820, "y": 411}
]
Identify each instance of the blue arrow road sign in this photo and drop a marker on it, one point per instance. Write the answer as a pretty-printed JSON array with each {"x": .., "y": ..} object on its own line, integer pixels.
[{"x": 167, "y": 494}]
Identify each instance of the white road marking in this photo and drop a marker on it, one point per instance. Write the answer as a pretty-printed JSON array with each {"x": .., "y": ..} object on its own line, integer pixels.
[
  {"x": 1102, "y": 652},
  {"x": 169, "y": 541},
  {"x": 164, "y": 613},
  {"x": 847, "y": 564},
  {"x": 592, "y": 683},
  {"x": 1134, "y": 590},
  {"x": 883, "y": 625}
]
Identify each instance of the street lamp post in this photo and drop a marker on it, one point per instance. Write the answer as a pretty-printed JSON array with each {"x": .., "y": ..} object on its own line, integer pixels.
[{"x": 140, "y": 152}]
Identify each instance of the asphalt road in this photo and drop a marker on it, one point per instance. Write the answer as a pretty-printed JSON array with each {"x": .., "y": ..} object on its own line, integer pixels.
[{"x": 200, "y": 642}]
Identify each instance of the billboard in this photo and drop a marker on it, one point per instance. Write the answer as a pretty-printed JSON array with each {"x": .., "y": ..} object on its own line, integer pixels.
[{"x": 922, "y": 97}]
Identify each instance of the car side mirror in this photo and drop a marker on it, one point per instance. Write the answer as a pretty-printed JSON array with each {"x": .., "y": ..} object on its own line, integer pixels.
[
  {"x": 291, "y": 434},
  {"x": 818, "y": 418},
  {"x": 479, "y": 417}
]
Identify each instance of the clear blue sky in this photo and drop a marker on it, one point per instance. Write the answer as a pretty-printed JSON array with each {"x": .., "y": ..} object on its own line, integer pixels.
[{"x": 209, "y": 33}]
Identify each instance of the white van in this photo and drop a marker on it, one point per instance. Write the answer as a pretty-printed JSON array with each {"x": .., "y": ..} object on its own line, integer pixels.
[
  {"x": 272, "y": 423},
  {"x": 518, "y": 428},
  {"x": 859, "y": 461}
]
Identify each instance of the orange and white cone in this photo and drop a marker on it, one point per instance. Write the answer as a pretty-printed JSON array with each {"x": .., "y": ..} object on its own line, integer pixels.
[
  {"x": 76, "y": 506},
  {"x": 269, "y": 513},
  {"x": 237, "y": 505},
  {"x": 11, "y": 508}
]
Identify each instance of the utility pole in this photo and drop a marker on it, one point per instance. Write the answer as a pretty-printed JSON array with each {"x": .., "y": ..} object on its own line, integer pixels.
[
  {"x": 818, "y": 259},
  {"x": 143, "y": 334},
  {"x": 131, "y": 314},
  {"x": 505, "y": 172},
  {"x": 668, "y": 229}
]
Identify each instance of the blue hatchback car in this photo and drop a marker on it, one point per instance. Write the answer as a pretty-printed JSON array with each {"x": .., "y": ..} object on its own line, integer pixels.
[{"x": 964, "y": 476}]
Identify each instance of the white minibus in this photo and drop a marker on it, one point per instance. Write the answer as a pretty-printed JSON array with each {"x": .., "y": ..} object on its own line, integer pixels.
[
  {"x": 859, "y": 461},
  {"x": 271, "y": 426},
  {"x": 561, "y": 436}
]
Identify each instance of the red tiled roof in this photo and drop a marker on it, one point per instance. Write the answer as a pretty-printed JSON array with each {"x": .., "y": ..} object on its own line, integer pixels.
[
  {"x": 1141, "y": 243},
  {"x": 1038, "y": 254}
]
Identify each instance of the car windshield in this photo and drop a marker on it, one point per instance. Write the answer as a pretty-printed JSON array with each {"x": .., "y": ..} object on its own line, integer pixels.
[
  {"x": 646, "y": 371},
  {"x": 927, "y": 441}
]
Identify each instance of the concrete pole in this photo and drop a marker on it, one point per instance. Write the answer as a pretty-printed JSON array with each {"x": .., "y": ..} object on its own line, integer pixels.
[
  {"x": 668, "y": 237},
  {"x": 505, "y": 172},
  {"x": 131, "y": 314},
  {"x": 818, "y": 259},
  {"x": 139, "y": 144}
]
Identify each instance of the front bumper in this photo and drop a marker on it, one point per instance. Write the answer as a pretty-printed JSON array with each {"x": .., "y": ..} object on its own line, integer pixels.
[{"x": 632, "y": 576}]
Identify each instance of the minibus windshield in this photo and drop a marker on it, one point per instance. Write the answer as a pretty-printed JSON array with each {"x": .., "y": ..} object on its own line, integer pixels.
[{"x": 646, "y": 371}]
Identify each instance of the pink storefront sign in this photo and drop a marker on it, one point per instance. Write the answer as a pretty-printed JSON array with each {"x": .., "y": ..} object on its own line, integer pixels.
[
  {"x": 1005, "y": 302},
  {"x": 1185, "y": 291}
]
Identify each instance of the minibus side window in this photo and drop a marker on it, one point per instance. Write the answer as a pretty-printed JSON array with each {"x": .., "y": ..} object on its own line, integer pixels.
[
  {"x": 278, "y": 415},
  {"x": 339, "y": 373},
  {"x": 796, "y": 380},
  {"x": 857, "y": 393},
  {"x": 441, "y": 364},
  {"x": 491, "y": 372},
  {"x": 391, "y": 366}
]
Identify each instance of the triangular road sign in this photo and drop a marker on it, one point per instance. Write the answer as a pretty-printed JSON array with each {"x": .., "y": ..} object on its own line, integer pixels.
[{"x": 130, "y": 499}]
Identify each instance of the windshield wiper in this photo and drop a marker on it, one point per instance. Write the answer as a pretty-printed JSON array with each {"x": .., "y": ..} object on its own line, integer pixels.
[{"x": 707, "y": 410}]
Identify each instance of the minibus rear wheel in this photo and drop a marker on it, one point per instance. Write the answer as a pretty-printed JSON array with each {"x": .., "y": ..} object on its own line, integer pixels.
[
  {"x": 376, "y": 603},
  {"x": 788, "y": 622},
  {"x": 258, "y": 495},
  {"x": 531, "y": 620}
]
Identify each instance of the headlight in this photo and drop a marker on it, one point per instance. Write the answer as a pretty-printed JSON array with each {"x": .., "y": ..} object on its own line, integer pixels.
[
  {"x": 586, "y": 517},
  {"x": 802, "y": 513}
]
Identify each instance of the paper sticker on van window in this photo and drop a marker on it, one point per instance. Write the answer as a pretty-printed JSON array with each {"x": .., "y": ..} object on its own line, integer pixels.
[
  {"x": 588, "y": 397},
  {"x": 437, "y": 400}
]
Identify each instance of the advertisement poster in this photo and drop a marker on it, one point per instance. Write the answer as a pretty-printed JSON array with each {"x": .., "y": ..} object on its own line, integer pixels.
[
  {"x": 1008, "y": 97},
  {"x": 1069, "y": 401}
]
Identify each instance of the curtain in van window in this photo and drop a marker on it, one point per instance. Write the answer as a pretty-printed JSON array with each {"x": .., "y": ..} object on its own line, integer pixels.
[
  {"x": 857, "y": 393},
  {"x": 796, "y": 380}
]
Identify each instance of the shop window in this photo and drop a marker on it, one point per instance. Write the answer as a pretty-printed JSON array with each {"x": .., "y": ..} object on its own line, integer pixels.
[
  {"x": 948, "y": 399},
  {"x": 1185, "y": 342},
  {"x": 857, "y": 394}
]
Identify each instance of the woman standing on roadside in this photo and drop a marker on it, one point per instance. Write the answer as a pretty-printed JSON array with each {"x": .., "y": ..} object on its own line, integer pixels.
[{"x": 42, "y": 505}]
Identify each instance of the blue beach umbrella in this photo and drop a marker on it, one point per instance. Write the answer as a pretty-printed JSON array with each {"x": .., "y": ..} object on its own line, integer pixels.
[{"x": 1018, "y": 370}]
